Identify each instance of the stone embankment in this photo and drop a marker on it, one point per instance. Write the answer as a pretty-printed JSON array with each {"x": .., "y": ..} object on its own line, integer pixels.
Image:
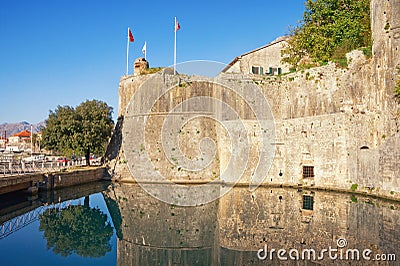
[{"x": 49, "y": 181}]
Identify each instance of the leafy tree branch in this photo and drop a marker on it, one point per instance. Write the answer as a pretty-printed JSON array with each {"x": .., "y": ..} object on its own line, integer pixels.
[
  {"x": 82, "y": 130},
  {"x": 329, "y": 29}
]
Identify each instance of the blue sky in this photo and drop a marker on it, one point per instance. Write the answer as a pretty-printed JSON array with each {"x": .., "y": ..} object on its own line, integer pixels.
[{"x": 62, "y": 52}]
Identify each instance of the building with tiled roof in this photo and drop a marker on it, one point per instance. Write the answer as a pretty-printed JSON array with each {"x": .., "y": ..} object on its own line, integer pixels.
[
  {"x": 19, "y": 137},
  {"x": 265, "y": 60}
]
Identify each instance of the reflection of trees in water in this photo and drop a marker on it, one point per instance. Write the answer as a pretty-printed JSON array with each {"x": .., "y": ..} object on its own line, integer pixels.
[{"x": 77, "y": 229}]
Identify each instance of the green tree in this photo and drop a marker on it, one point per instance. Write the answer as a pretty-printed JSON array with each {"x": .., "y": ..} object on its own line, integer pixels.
[
  {"x": 77, "y": 229},
  {"x": 96, "y": 127},
  {"x": 329, "y": 29},
  {"x": 81, "y": 130}
]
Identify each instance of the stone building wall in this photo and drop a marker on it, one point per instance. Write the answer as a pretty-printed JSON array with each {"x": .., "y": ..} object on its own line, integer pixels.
[
  {"x": 127, "y": 88},
  {"x": 342, "y": 121},
  {"x": 265, "y": 57},
  {"x": 152, "y": 135}
]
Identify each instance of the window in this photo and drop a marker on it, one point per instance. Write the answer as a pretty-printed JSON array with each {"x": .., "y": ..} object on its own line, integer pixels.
[
  {"x": 258, "y": 70},
  {"x": 254, "y": 70},
  {"x": 279, "y": 70},
  {"x": 308, "y": 171},
  {"x": 308, "y": 202}
]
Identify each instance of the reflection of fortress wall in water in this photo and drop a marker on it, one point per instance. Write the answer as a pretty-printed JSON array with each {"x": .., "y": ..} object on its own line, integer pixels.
[
  {"x": 250, "y": 220},
  {"x": 334, "y": 127},
  {"x": 289, "y": 222},
  {"x": 154, "y": 232},
  {"x": 232, "y": 230}
]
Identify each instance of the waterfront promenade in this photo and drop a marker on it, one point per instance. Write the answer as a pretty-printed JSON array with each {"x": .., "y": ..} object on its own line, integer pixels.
[
  {"x": 8, "y": 169},
  {"x": 15, "y": 169},
  {"x": 46, "y": 175}
]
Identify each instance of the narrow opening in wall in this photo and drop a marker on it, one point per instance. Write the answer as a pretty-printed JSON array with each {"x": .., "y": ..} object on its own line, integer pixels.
[
  {"x": 364, "y": 148},
  {"x": 308, "y": 171},
  {"x": 308, "y": 202}
]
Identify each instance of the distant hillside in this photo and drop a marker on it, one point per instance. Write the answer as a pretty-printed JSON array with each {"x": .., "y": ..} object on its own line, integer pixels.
[{"x": 12, "y": 128}]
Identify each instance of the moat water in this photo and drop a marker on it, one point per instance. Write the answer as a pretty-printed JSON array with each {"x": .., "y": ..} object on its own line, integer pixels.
[{"x": 120, "y": 224}]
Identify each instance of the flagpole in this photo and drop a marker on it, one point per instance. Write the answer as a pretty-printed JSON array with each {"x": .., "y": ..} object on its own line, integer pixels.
[
  {"x": 175, "y": 48},
  {"x": 127, "y": 53},
  {"x": 145, "y": 50},
  {"x": 31, "y": 141}
]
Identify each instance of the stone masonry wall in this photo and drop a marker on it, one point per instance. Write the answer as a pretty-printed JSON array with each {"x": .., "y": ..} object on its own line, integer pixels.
[
  {"x": 342, "y": 121},
  {"x": 67, "y": 179}
]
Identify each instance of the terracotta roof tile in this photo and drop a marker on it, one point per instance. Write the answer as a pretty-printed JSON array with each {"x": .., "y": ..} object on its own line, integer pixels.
[{"x": 22, "y": 134}]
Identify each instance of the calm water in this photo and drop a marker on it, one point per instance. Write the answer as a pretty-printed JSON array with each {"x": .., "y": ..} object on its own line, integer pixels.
[{"x": 119, "y": 224}]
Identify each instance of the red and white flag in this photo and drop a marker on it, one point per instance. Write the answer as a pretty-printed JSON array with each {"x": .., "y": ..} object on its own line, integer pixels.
[
  {"x": 130, "y": 35},
  {"x": 177, "y": 26}
]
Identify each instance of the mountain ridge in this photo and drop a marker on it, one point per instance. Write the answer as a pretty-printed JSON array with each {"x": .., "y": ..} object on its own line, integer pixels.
[{"x": 10, "y": 129}]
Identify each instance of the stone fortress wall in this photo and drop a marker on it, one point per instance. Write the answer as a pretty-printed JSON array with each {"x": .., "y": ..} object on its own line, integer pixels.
[{"x": 341, "y": 123}]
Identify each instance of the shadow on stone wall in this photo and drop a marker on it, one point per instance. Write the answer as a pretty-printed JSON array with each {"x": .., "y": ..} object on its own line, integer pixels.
[
  {"x": 114, "y": 146},
  {"x": 116, "y": 140}
]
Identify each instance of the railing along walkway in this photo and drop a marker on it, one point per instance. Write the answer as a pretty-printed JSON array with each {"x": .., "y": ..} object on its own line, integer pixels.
[{"x": 22, "y": 168}]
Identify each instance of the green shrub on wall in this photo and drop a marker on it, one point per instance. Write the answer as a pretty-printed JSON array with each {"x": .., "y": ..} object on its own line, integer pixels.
[
  {"x": 329, "y": 29},
  {"x": 397, "y": 87}
]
